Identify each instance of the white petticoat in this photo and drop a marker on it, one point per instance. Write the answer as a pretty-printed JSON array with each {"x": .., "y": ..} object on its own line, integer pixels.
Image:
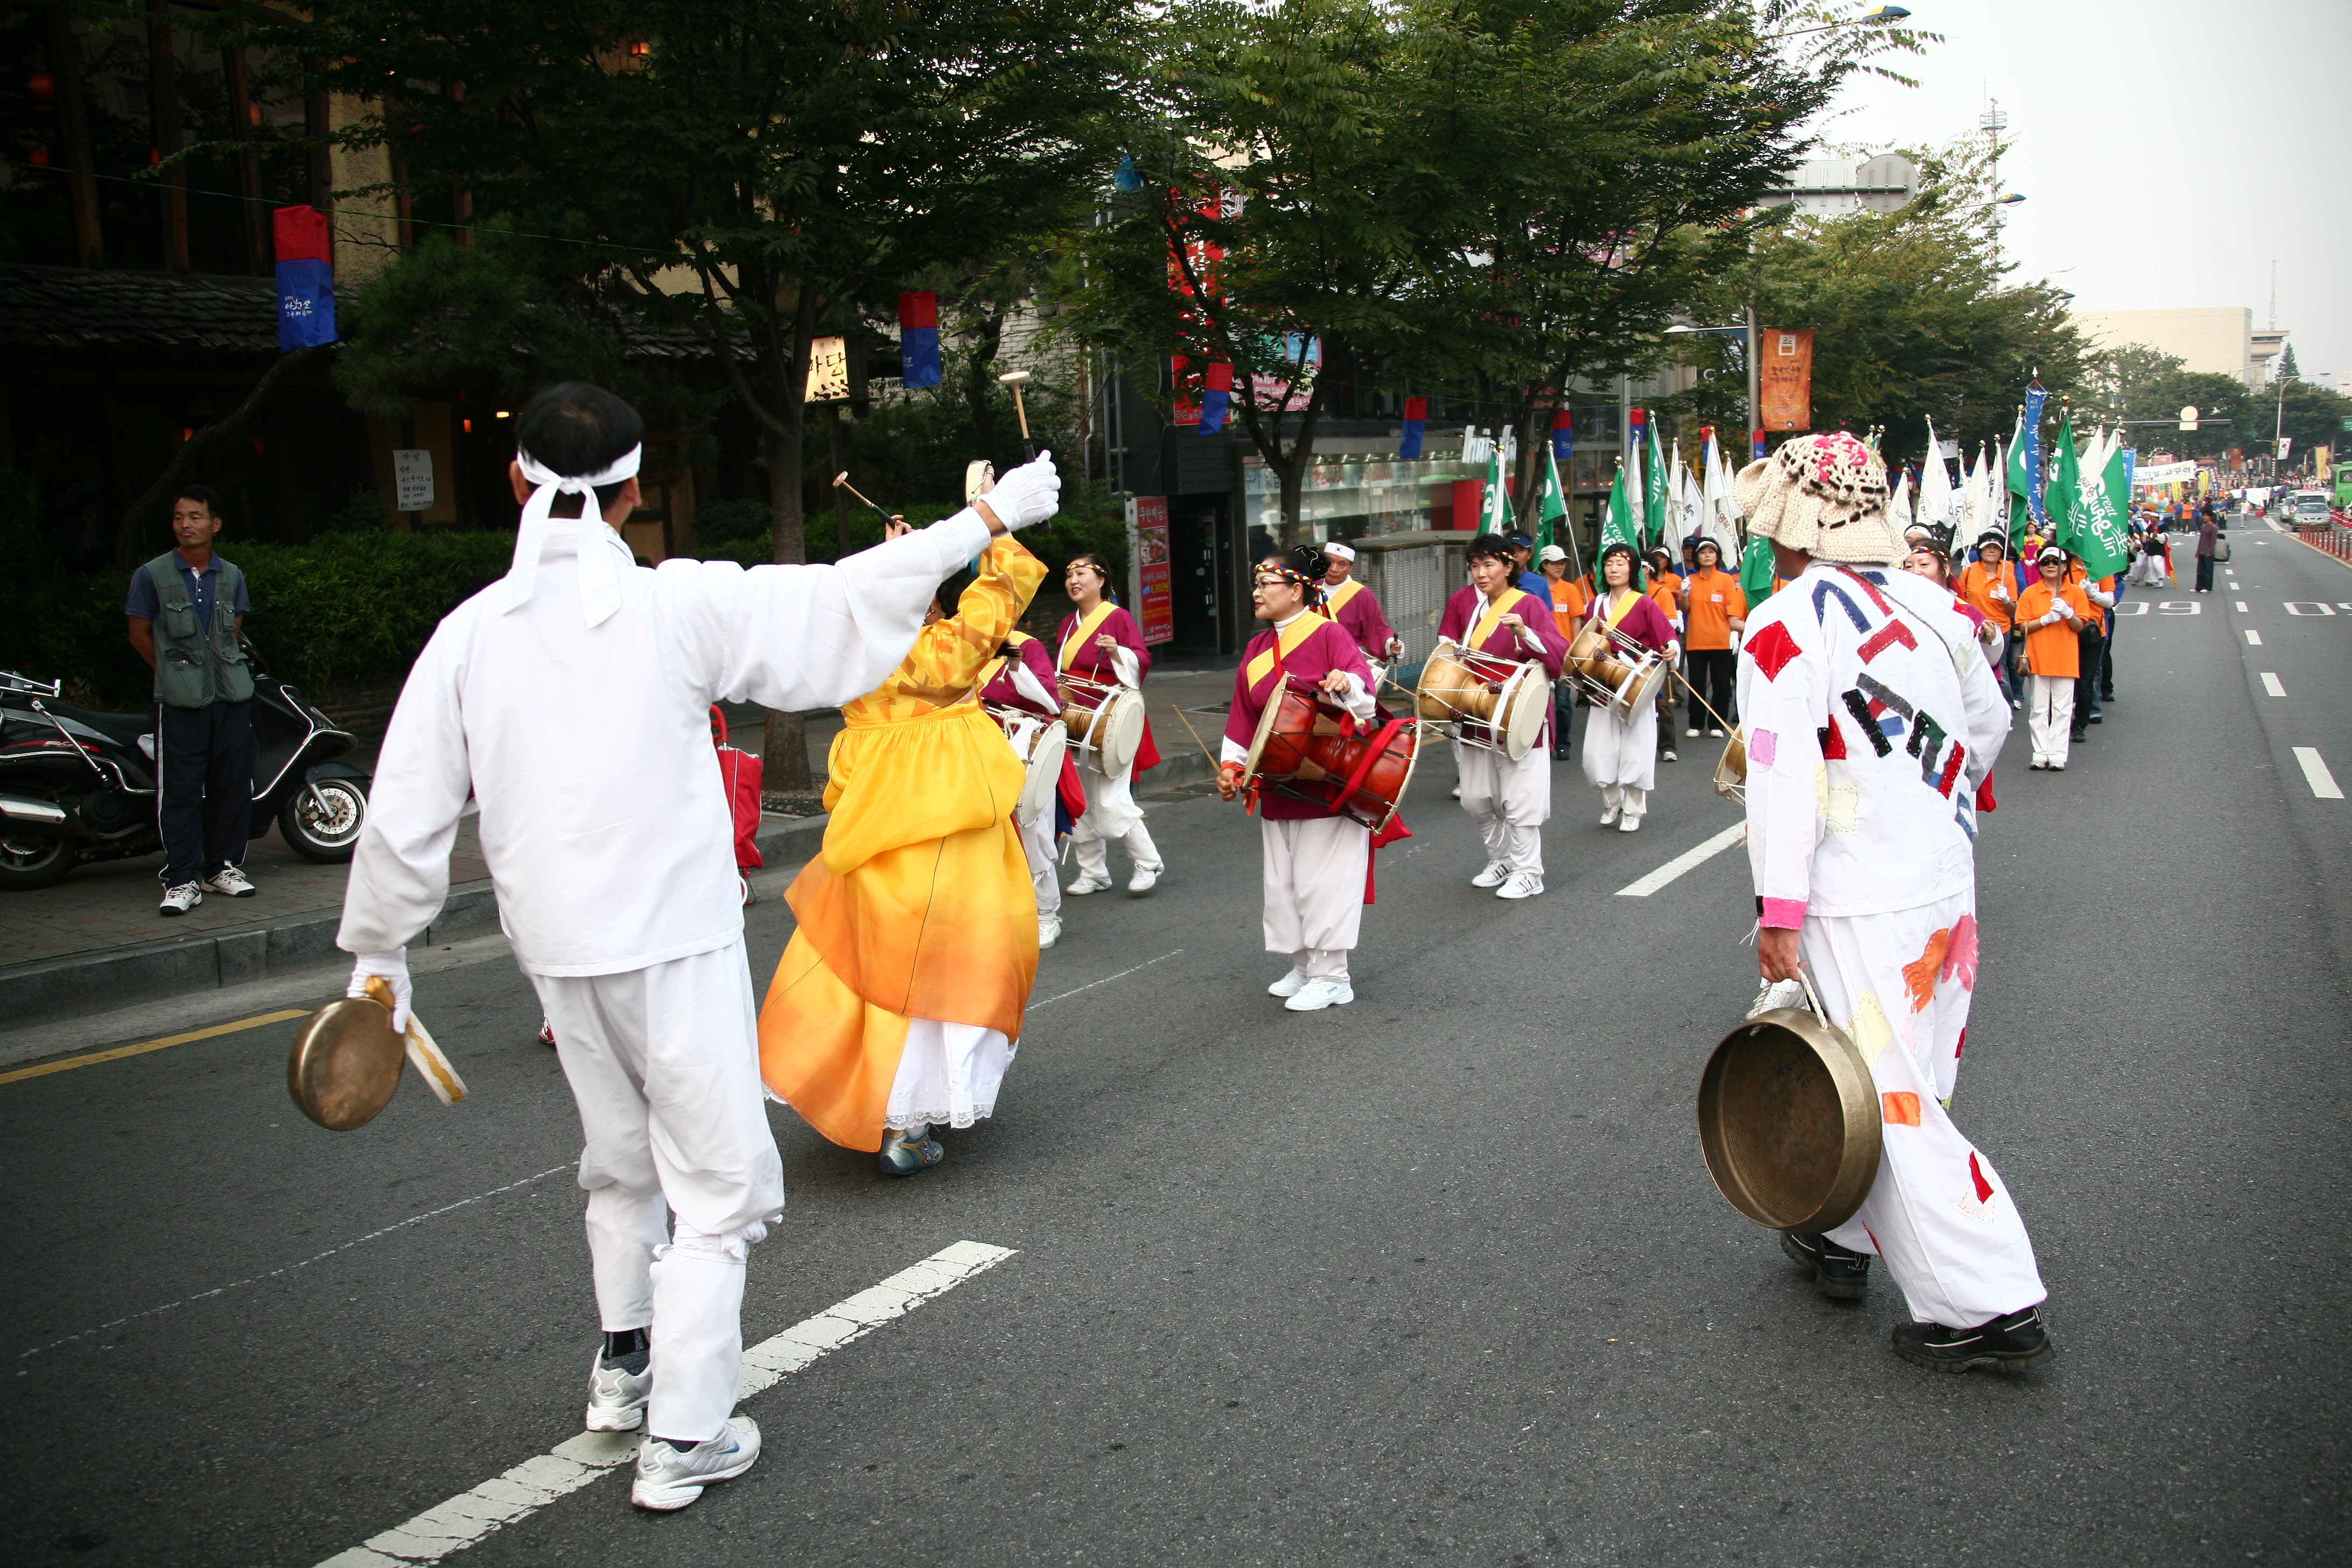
[{"x": 948, "y": 1076}]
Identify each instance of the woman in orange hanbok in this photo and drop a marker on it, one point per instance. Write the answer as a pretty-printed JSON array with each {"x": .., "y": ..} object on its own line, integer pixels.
[{"x": 897, "y": 1004}]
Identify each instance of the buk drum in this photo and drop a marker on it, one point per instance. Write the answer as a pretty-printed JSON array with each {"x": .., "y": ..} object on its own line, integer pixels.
[
  {"x": 1040, "y": 744},
  {"x": 1477, "y": 692},
  {"x": 1304, "y": 749},
  {"x": 1614, "y": 670},
  {"x": 1109, "y": 732},
  {"x": 1731, "y": 769}
]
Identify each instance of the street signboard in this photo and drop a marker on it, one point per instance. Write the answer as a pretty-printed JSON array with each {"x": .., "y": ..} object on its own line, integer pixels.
[{"x": 412, "y": 480}]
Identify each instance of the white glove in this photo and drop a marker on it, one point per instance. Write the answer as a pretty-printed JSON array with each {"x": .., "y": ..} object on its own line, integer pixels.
[
  {"x": 2065, "y": 609},
  {"x": 2000, "y": 591},
  {"x": 393, "y": 968},
  {"x": 1030, "y": 493}
]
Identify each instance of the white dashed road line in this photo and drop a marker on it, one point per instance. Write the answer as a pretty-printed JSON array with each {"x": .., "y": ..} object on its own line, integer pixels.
[
  {"x": 2270, "y": 684},
  {"x": 2314, "y": 774},
  {"x": 2241, "y": 607},
  {"x": 1683, "y": 862},
  {"x": 505, "y": 1500},
  {"x": 2254, "y": 637}
]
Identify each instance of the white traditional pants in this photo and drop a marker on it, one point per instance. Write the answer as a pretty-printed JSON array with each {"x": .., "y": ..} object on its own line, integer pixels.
[
  {"x": 1509, "y": 801},
  {"x": 664, "y": 1066},
  {"x": 1037, "y": 844},
  {"x": 1111, "y": 813},
  {"x": 1617, "y": 753},
  {"x": 1315, "y": 890},
  {"x": 1899, "y": 985},
  {"x": 2050, "y": 715}
]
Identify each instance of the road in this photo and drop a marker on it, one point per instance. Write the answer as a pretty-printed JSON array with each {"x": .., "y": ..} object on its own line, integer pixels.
[{"x": 1436, "y": 1275}]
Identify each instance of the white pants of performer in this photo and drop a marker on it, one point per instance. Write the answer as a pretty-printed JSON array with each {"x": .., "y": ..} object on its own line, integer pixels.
[
  {"x": 1509, "y": 801},
  {"x": 948, "y": 1076},
  {"x": 2049, "y": 716},
  {"x": 664, "y": 1063},
  {"x": 1037, "y": 843},
  {"x": 1621, "y": 758},
  {"x": 2149, "y": 570},
  {"x": 1111, "y": 814},
  {"x": 1899, "y": 984},
  {"x": 1315, "y": 890}
]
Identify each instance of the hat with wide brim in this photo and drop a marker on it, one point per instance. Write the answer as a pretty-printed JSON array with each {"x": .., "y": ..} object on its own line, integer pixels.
[{"x": 1825, "y": 495}]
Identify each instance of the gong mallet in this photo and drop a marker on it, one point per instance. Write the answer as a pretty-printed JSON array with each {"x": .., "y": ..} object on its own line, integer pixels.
[
  {"x": 1014, "y": 379},
  {"x": 841, "y": 482}
]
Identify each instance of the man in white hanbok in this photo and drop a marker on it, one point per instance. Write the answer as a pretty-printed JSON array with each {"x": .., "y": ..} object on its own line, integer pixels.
[
  {"x": 571, "y": 699},
  {"x": 1871, "y": 717}
]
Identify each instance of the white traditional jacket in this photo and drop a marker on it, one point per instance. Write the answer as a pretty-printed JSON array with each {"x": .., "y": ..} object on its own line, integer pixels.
[
  {"x": 1870, "y": 717},
  {"x": 603, "y": 820}
]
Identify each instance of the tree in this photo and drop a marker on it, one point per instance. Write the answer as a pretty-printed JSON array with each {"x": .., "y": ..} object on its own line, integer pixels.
[
  {"x": 2312, "y": 416},
  {"x": 752, "y": 171},
  {"x": 2150, "y": 387}
]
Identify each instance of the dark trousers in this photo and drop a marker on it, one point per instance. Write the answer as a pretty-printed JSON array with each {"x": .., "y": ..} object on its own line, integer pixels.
[
  {"x": 2108, "y": 667},
  {"x": 204, "y": 760},
  {"x": 2087, "y": 684},
  {"x": 1563, "y": 718},
  {"x": 2204, "y": 574},
  {"x": 1712, "y": 672}
]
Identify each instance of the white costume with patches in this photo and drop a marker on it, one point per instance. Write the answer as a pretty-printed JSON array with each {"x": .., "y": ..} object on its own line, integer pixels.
[
  {"x": 1870, "y": 718},
  {"x": 571, "y": 700}
]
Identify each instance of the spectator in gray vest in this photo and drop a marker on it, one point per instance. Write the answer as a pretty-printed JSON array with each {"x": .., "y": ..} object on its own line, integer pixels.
[{"x": 204, "y": 704}]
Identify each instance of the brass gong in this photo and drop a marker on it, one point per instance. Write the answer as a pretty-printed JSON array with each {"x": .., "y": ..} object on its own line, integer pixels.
[
  {"x": 1789, "y": 1119},
  {"x": 345, "y": 1063}
]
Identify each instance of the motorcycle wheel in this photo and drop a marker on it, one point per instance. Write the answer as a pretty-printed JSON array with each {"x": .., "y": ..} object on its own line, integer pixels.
[
  {"x": 30, "y": 860},
  {"x": 328, "y": 837}
]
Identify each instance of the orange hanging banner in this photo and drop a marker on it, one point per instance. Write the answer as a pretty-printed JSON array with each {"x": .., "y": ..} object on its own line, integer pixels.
[{"x": 1786, "y": 378}]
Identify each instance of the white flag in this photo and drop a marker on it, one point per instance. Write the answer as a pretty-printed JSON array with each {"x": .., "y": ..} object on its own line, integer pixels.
[
  {"x": 1935, "y": 508},
  {"x": 1898, "y": 506},
  {"x": 1718, "y": 506}
]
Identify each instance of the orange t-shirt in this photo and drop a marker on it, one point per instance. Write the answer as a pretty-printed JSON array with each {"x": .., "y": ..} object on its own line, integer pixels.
[
  {"x": 1716, "y": 602},
  {"x": 1567, "y": 602},
  {"x": 1666, "y": 589},
  {"x": 1977, "y": 583},
  {"x": 2055, "y": 649}
]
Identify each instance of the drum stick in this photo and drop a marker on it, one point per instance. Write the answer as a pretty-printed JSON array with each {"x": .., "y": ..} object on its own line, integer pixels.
[
  {"x": 1014, "y": 379},
  {"x": 1726, "y": 729},
  {"x": 1196, "y": 739},
  {"x": 841, "y": 482}
]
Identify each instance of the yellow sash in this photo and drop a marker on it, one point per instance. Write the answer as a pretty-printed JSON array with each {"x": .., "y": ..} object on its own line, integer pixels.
[
  {"x": 1340, "y": 596},
  {"x": 1624, "y": 607},
  {"x": 1083, "y": 633},
  {"x": 1286, "y": 640},
  {"x": 1504, "y": 604}
]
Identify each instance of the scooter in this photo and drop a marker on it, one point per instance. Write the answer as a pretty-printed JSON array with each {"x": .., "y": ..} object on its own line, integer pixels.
[{"x": 78, "y": 786}]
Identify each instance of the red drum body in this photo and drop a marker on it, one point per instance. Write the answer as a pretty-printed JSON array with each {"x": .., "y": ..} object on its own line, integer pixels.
[{"x": 1303, "y": 749}]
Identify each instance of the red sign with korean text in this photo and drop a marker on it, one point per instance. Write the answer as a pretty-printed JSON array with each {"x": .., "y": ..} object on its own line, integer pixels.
[{"x": 1157, "y": 611}]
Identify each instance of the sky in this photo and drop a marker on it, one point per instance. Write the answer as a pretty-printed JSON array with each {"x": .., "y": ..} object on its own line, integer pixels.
[{"x": 2237, "y": 119}]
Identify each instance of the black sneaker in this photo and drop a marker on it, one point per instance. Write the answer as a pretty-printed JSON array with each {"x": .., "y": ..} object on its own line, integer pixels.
[
  {"x": 2009, "y": 1344},
  {"x": 1840, "y": 1273}
]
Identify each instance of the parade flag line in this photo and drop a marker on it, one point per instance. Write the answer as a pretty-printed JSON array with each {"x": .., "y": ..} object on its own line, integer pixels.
[
  {"x": 2314, "y": 774},
  {"x": 1689, "y": 861},
  {"x": 508, "y": 1499}
]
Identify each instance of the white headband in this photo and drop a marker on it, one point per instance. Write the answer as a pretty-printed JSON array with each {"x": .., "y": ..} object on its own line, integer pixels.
[
  {"x": 1339, "y": 552},
  {"x": 600, "y": 586}
]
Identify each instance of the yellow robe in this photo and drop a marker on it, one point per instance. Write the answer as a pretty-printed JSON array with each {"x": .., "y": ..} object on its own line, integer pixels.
[{"x": 921, "y": 904}]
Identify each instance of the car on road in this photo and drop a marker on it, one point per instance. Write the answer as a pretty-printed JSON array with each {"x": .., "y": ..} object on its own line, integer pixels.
[{"x": 2309, "y": 505}]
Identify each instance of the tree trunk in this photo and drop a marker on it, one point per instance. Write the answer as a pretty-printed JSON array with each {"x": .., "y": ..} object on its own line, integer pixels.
[
  {"x": 783, "y": 750},
  {"x": 1530, "y": 494},
  {"x": 985, "y": 340}
]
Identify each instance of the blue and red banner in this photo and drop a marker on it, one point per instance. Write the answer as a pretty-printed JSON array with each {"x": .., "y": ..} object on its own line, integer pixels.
[
  {"x": 306, "y": 278},
  {"x": 1563, "y": 435},
  {"x": 918, "y": 339},
  {"x": 1415, "y": 425},
  {"x": 1216, "y": 396}
]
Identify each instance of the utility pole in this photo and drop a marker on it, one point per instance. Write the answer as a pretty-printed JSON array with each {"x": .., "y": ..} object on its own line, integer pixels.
[
  {"x": 1755, "y": 390},
  {"x": 1993, "y": 122}
]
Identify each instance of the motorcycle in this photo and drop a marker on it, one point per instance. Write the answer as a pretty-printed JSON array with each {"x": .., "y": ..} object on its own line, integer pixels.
[{"x": 78, "y": 786}]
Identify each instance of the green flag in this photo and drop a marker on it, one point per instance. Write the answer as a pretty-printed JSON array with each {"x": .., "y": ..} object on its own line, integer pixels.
[
  {"x": 2021, "y": 483},
  {"x": 1756, "y": 572},
  {"x": 2062, "y": 496},
  {"x": 1653, "y": 492},
  {"x": 2099, "y": 519},
  {"x": 1620, "y": 528},
  {"x": 1552, "y": 507}
]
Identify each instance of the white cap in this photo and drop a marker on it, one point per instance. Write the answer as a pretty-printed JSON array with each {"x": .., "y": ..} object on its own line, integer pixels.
[
  {"x": 1339, "y": 552},
  {"x": 1551, "y": 552}
]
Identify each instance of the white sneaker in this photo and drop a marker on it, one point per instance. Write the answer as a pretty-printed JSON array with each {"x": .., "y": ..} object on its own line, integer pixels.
[
  {"x": 669, "y": 1479},
  {"x": 1522, "y": 884},
  {"x": 179, "y": 900},
  {"x": 230, "y": 882},
  {"x": 1146, "y": 878},
  {"x": 1775, "y": 994},
  {"x": 1668, "y": 756},
  {"x": 1608, "y": 814},
  {"x": 1289, "y": 984},
  {"x": 1049, "y": 930},
  {"x": 1632, "y": 823},
  {"x": 1318, "y": 995},
  {"x": 1492, "y": 877},
  {"x": 1693, "y": 730},
  {"x": 616, "y": 1396},
  {"x": 1457, "y": 792},
  {"x": 1714, "y": 732},
  {"x": 1086, "y": 885}
]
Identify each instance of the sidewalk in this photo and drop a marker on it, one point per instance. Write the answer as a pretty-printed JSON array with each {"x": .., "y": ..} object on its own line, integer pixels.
[{"x": 95, "y": 941}]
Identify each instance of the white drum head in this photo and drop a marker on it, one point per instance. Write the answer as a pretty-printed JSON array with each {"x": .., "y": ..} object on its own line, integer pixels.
[
  {"x": 1641, "y": 688},
  {"x": 1046, "y": 751},
  {"x": 979, "y": 479},
  {"x": 1264, "y": 730},
  {"x": 1520, "y": 710},
  {"x": 1117, "y": 732}
]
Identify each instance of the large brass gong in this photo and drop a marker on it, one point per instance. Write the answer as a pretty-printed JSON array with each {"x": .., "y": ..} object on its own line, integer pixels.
[{"x": 1788, "y": 1117}]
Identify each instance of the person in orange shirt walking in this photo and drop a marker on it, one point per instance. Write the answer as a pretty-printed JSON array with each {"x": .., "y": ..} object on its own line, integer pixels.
[
  {"x": 2050, "y": 612},
  {"x": 1984, "y": 582},
  {"x": 1712, "y": 609},
  {"x": 1568, "y": 599}
]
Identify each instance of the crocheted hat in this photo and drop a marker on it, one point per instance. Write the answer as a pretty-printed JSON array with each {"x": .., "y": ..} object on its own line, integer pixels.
[{"x": 1825, "y": 495}]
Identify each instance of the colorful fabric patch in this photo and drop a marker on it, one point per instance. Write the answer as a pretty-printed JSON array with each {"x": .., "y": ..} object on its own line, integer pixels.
[
  {"x": 1870, "y": 583},
  {"x": 1784, "y": 915},
  {"x": 1978, "y": 1206},
  {"x": 1860, "y": 706},
  {"x": 1868, "y": 1028},
  {"x": 1772, "y": 649},
  {"x": 1832, "y": 741},
  {"x": 1976, "y": 1174},
  {"x": 1899, "y": 1108},
  {"x": 1762, "y": 746},
  {"x": 1951, "y": 770},
  {"x": 1960, "y": 957},
  {"x": 1843, "y": 808},
  {"x": 1962, "y": 1043},
  {"x": 1886, "y": 637},
  {"x": 1919, "y": 974},
  {"x": 1825, "y": 589}
]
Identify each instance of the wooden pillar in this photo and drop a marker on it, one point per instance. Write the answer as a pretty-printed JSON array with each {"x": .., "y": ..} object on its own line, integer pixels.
[
  {"x": 73, "y": 119},
  {"x": 163, "y": 93},
  {"x": 258, "y": 251}
]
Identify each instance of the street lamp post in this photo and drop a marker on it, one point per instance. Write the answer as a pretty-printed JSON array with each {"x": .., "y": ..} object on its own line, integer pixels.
[{"x": 1745, "y": 332}]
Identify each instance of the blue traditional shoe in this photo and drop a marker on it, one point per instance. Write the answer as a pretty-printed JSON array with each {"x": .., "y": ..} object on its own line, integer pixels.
[{"x": 910, "y": 1153}]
